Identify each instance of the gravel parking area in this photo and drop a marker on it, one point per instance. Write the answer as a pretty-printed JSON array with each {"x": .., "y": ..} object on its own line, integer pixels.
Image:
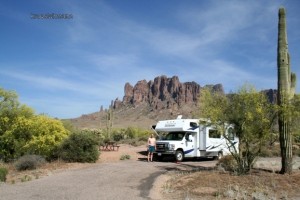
[{"x": 110, "y": 178}]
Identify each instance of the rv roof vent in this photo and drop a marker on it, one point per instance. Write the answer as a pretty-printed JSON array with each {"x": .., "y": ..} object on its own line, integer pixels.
[
  {"x": 179, "y": 116},
  {"x": 193, "y": 124}
]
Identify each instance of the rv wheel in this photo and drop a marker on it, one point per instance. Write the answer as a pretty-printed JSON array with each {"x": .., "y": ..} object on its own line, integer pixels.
[
  {"x": 179, "y": 156},
  {"x": 160, "y": 158}
]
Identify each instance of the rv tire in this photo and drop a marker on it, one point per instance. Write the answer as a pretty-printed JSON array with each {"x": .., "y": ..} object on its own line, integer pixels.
[
  {"x": 179, "y": 156},
  {"x": 160, "y": 158}
]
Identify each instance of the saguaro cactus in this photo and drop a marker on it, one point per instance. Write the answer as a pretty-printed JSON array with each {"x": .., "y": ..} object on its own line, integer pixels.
[
  {"x": 286, "y": 90},
  {"x": 109, "y": 121}
]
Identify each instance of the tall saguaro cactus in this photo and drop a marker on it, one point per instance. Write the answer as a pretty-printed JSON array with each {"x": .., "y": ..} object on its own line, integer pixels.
[
  {"x": 286, "y": 91},
  {"x": 109, "y": 122}
]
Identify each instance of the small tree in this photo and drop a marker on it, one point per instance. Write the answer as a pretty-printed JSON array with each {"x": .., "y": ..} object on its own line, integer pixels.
[
  {"x": 23, "y": 132},
  {"x": 46, "y": 136},
  {"x": 252, "y": 116},
  {"x": 10, "y": 112}
]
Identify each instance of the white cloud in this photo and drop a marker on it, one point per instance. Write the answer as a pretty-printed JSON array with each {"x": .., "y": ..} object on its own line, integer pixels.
[
  {"x": 51, "y": 83},
  {"x": 113, "y": 61}
]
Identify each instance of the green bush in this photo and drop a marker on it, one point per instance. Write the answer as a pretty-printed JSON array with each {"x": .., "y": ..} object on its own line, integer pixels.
[
  {"x": 3, "y": 173},
  {"x": 29, "y": 162},
  {"x": 131, "y": 132},
  {"x": 118, "y": 136},
  {"x": 134, "y": 133},
  {"x": 38, "y": 135},
  {"x": 125, "y": 157},
  {"x": 79, "y": 147}
]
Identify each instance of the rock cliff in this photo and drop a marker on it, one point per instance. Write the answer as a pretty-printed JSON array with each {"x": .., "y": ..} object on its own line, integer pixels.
[{"x": 162, "y": 93}]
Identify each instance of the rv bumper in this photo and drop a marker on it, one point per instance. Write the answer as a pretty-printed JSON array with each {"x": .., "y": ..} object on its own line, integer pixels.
[{"x": 165, "y": 153}]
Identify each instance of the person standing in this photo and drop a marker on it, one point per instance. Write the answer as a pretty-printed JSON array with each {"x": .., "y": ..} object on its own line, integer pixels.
[{"x": 151, "y": 147}]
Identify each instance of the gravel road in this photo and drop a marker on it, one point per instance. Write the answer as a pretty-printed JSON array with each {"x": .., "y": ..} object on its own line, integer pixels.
[
  {"x": 130, "y": 179},
  {"x": 118, "y": 180}
]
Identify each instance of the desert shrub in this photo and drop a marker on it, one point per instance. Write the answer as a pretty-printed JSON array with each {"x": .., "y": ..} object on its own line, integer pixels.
[
  {"x": 125, "y": 157},
  {"x": 39, "y": 135},
  {"x": 118, "y": 136},
  {"x": 80, "y": 147},
  {"x": 228, "y": 163},
  {"x": 3, "y": 173},
  {"x": 131, "y": 132},
  {"x": 29, "y": 162},
  {"x": 296, "y": 136},
  {"x": 270, "y": 151},
  {"x": 47, "y": 134},
  {"x": 296, "y": 152},
  {"x": 143, "y": 138},
  {"x": 26, "y": 178},
  {"x": 99, "y": 135}
]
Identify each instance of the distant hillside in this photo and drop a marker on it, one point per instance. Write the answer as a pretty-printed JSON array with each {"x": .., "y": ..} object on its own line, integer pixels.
[{"x": 147, "y": 102}]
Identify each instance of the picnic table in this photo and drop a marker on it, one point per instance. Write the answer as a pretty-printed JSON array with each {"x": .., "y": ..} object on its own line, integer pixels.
[{"x": 109, "y": 146}]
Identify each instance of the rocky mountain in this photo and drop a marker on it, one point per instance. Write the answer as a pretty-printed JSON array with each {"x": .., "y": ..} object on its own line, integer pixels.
[
  {"x": 162, "y": 93},
  {"x": 148, "y": 101}
]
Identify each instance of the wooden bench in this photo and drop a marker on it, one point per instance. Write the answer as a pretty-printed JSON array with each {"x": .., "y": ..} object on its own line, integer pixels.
[
  {"x": 116, "y": 146},
  {"x": 110, "y": 146}
]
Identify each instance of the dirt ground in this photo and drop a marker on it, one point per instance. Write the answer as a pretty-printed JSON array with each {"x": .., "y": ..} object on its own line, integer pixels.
[
  {"x": 135, "y": 153},
  {"x": 207, "y": 184},
  {"x": 48, "y": 169},
  {"x": 134, "y": 177},
  {"x": 189, "y": 180}
]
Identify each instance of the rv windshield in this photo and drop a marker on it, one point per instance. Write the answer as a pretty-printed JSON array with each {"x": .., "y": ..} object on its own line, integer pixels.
[{"x": 174, "y": 136}]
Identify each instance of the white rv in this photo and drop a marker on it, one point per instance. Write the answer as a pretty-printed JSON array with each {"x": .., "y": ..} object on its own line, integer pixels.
[{"x": 187, "y": 138}]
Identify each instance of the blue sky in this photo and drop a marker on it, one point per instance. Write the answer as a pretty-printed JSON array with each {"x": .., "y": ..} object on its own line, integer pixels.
[{"x": 68, "y": 67}]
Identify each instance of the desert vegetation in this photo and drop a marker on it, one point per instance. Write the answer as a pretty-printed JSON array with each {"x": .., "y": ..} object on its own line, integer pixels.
[
  {"x": 29, "y": 141},
  {"x": 3, "y": 173},
  {"x": 255, "y": 121},
  {"x": 23, "y": 132},
  {"x": 252, "y": 115}
]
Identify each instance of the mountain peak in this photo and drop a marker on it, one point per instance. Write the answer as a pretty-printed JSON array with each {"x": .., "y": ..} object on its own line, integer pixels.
[{"x": 162, "y": 93}]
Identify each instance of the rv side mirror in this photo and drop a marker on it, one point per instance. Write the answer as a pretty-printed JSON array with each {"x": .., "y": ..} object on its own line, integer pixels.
[{"x": 188, "y": 137}]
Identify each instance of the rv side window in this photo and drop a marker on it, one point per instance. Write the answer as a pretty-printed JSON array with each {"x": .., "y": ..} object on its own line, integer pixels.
[
  {"x": 230, "y": 133},
  {"x": 214, "y": 133}
]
